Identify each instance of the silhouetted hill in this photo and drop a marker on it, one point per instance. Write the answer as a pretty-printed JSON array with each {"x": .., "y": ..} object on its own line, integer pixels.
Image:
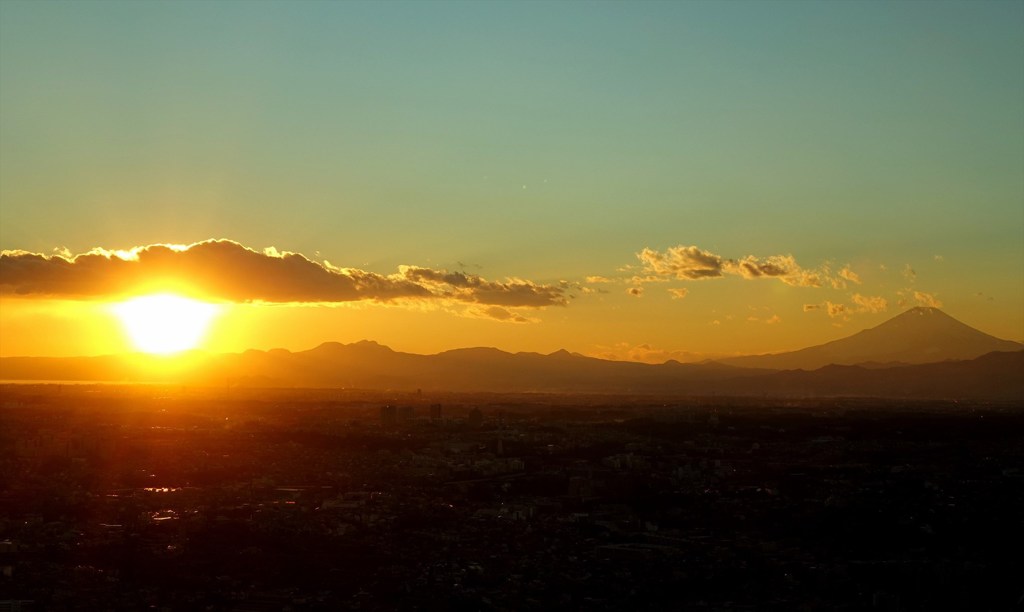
[
  {"x": 919, "y": 335},
  {"x": 876, "y": 362},
  {"x": 371, "y": 365},
  {"x": 994, "y": 376}
]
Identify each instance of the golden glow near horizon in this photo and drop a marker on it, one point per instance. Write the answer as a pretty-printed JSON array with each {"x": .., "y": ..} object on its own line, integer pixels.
[
  {"x": 648, "y": 181},
  {"x": 165, "y": 323}
]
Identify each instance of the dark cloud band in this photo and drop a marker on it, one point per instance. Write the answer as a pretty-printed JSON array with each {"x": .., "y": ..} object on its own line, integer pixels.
[{"x": 223, "y": 269}]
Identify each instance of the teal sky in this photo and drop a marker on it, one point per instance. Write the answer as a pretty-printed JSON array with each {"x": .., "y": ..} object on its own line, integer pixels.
[{"x": 539, "y": 140}]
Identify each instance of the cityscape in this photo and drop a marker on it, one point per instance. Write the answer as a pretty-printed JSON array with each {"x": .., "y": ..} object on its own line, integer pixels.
[{"x": 146, "y": 497}]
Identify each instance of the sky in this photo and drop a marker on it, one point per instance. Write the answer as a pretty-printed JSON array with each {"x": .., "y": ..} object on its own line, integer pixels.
[{"x": 628, "y": 180}]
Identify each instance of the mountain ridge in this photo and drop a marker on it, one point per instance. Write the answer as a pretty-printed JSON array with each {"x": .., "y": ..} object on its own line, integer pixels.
[
  {"x": 369, "y": 365},
  {"x": 916, "y": 336}
]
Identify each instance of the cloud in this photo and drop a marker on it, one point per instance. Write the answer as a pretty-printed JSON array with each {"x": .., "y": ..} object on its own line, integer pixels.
[
  {"x": 909, "y": 273},
  {"x": 683, "y": 262},
  {"x": 650, "y": 278},
  {"x": 927, "y": 299},
  {"x": 872, "y": 304},
  {"x": 802, "y": 278},
  {"x": 752, "y": 267},
  {"x": 693, "y": 263},
  {"x": 227, "y": 270},
  {"x": 864, "y": 304},
  {"x": 635, "y": 291},
  {"x": 835, "y": 310},
  {"x": 783, "y": 267},
  {"x": 472, "y": 288},
  {"x": 920, "y": 298},
  {"x": 678, "y": 293},
  {"x": 598, "y": 279},
  {"x": 847, "y": 274},
  {"x": 645, "y": 353},
  {"x": 497, "y": 313},
  {"x": 772, "y": 320}
]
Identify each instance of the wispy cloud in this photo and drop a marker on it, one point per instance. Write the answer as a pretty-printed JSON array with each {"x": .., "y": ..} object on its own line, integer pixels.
[
  {"x": 835, "y": 310},
  {"x": 927, "y": 299},
  {"x": 868, "y": 303},
  {"x": 472, "y": 288},
  {"x": 497, "y": 313},
  {"x": 909, "y": 297},
  {"x": 863, "y": 304},
  {"x": 848, "y": 274},
  {"x": 227, "y": 270},
  {"x": 624, "y": 351},
  {"x": 678, "y": 293}
]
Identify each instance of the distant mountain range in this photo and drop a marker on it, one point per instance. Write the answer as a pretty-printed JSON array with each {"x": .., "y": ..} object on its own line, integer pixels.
[{"x": 922, "y": 353}]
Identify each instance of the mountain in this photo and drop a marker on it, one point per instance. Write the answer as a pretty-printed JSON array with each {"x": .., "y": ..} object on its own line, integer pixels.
[
  {"x": 919, "y": 335},
  {"x": 877, "y": 362},
  {"x": 368, "y": 365}
]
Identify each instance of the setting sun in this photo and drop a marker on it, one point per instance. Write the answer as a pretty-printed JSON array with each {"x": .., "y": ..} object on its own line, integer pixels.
[{"x": 165, "y": 323}]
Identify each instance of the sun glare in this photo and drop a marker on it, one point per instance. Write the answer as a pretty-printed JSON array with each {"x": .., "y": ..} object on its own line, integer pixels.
[{"x": 165, "y": 323}]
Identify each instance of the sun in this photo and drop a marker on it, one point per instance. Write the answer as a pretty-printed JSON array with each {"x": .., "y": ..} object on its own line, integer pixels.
[{"x": 165, "y": 323}]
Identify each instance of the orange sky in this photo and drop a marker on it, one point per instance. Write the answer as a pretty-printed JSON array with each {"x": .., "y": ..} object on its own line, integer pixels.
[
  {"x": 642, "y": 180},
  {"x": 684, "y": 303}
]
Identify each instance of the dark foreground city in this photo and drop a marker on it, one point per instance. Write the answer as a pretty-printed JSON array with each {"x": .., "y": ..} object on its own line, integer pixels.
[{"x": 171, "y": 498}]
